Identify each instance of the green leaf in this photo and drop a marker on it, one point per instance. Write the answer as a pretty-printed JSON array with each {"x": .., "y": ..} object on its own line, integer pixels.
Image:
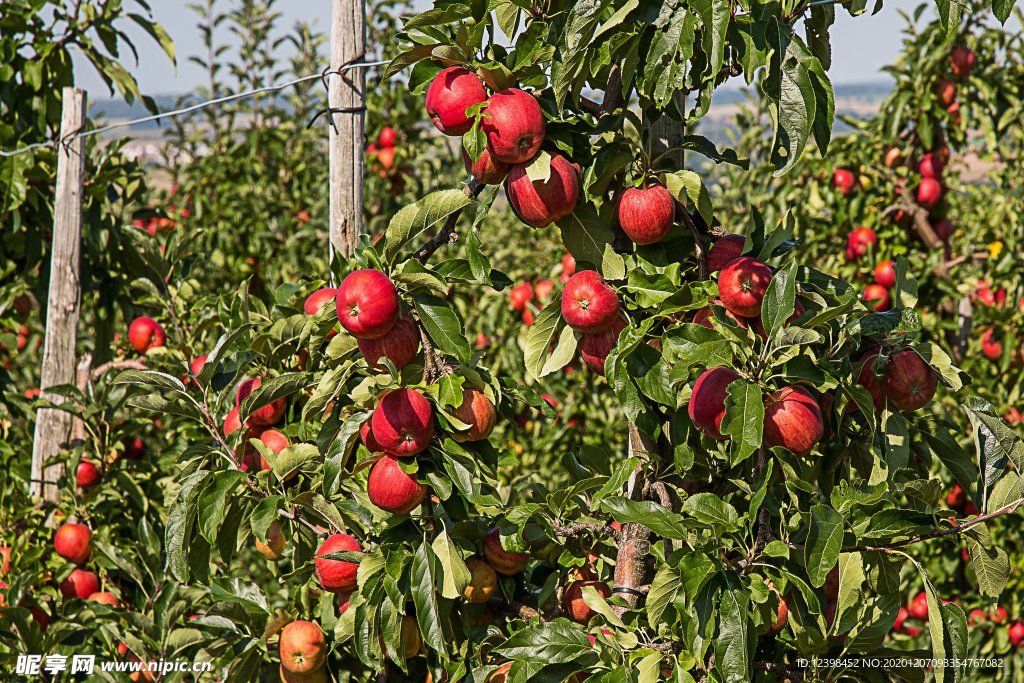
[
  {"x": 688, "y": 188},
  {"x": 661, "y": 521},
  {"x": 824, "y": 541},
  {"x": 665, "y": 587},
  {"x": 707, "y": 508},
  {"x": 214, "y": 502},
  {"x": 443, "y": 325},
  {"x": 991, "y": 564},
  {"x": 456, "y": 575},
  {"x": 554, "y": 642},
  {"x": 271, "y": 390},
  {"x": 780, "y": 300},
  {"x": 744, "y": 418},
  {"x": 548, "y": 327},
  {"x": 180, "y": 521},
  {"x": 737, "y": 637},
  {"x": 411, "y": 220},
  {"x": 432, "y": 611}
]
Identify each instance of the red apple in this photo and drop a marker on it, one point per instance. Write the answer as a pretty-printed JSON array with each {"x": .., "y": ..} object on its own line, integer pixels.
[
  {"x": 594, "y": 348},
  {"x": 197, "y": 364},
  {"x": 337, "y": 576},
  {"x": 893, "y": 157},
  {"x": 540, "y": 203},
  {"x": 136, "y": 448},
  {"x": 520, "y": 295},
  {"x": 72, "y": 542},
  {"x": 514, "y": 125},
  {"x": 505, "y": 562},
  {"x": 145, "y": 334},
  {"x": 569, "y": 267},
  {"x": 962, "y": 61},
  {"x": 975, "y": 617},
  {"x": 792, "y": 419},
  {"x": 386, "y": 157},
  {"x": 843, "y": 180},
  {"x": 486, "y": 169},
  {"x": 957, "y": 497},
  {"x": 528, "y": 317},
  {"x": 724, "y": 251},
  {"x": 387, "y": 137},
  {"x": 870, "y": 381},
  {"x": 1016, "y": 633},
  {"x": 997, "y": 615},
  {"x": 909, "y": 382},
  {"x": 105, "y": 598},
  {"x": 87, "y": 474},
  {"x": 302, "y": 647},
  {"x": 573, "y": 604},
  {"x": 646, "y": 214},
  {"x": 931, "y": 166},
  {"x": 543, "y": 289},
  {"x": 1013, "y": 416},
  {"x": 403, "y": 423},
  {"x": 918, "y": 607},
  {"x": 400, "y": 345},
  {"x": 742, "y": 285},
  {"x": 943, "y": 228},
  {"x": 366, "y": 434},
  {"x": 318, "y": 299},
  {"x": 478, "y": 412},
  {"x": 589, "y": 304},
  {"x": 990, "y": 345},
  {"x": 707, "y": 402},
  {"x": 876, "y": 297},
  {"x": 5, "y": 559},
  {"x": 275, "y": 441},
  {"x": 451, "y": 93},
  {"x": 391, "y": 489},
  {"x": 929, "y": 192},
  {"x": 885, "y": 274},
  {"x": 367, "y": 304},
  {"x": 232, "y": 423},
  {"x": 945, "y": 90},
  {"x": 860, "y": 241},
  {"x": 264, "y": 416},
  {"x": 81, "y": 583}
]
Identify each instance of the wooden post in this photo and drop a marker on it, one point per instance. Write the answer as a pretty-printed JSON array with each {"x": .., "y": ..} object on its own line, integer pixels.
[
  {"x": 53, "y": 427},
  {"x": 346, "y": 136}
]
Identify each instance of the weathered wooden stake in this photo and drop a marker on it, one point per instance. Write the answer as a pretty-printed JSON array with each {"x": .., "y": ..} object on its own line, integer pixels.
[
  {"x": 346, "y": 136},
  {"x": 53, "y": 427}
]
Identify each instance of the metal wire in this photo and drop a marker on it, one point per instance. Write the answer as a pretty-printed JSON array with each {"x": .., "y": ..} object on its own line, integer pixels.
[{"x": 194, "y": 107}]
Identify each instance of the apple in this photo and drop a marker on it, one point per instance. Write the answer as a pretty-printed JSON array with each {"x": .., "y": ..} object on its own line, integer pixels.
[
  {"x": 876, "y": 297},
  {"x": 707, "y": 402},
  {"x": 724, "y": 251},
  {"x": 1013, "y": 416},
  {"x": 573, "y": 604},
  {"x": 145, "y": 333},
  {"x": 885, "y": 273},
  {"x": 391, "y": 489},
  {"x": 893, "y": 157},
  {"x": 543, "y": 289},
  {"x": 859, "y": 242},
  {"x": 483, "y": 580},
  {"x": 337, "y": 576},
  {"x": 931, "y": 166},
  {"x": 943, "y": 228},
  {"x": 366, "y": 434},
  {"x": 742, "y": 285},
  {"x": 990, "y": 345},
  {"x": 386, "y": 157},
  {"x": 263, "y": 416},
  {"x": 909, "y": 382},
  {"x": 918, "y": 607},
  {"x": 569, "y": 267},
  {"x": 87, "y": 474},
  {"x": 315, "y": 676},
  {"x": 870, "y": 381},
  {"x": 318, "y": 299},
  {"x": 403, "y": 423},
  {"x": 478, "y": 412},
  {"x": 843, "y": 180},
  {"x": 1016, "y": 633},
  {"x": 589, "y": 304},
  {"x": 975, "y": 617},
  {"x": 957, "y": 497},
  {"x": 514, "y": 125},
  {"x": 945, "y": 90},
  {"x": 505, "y": 562},
  {"x": 646, "y": 214},
  {"x": 197, "y": 364},
  {"x": 528, "y": 317},
  {"x": 81, "y": 583},
  {"x": 499, "y": 675},
  {"x": 273, "y": 549},
  {"x": 929, "y": 192},
  {"x": 451, "y": 93},
  {"x": 104, "y": 598},
  {"x": 5, "y": 559},
  {"x": 792, "y": 419},
  {"x": 782, "y": 616},
  {"x": 72, "y": 542},
  {"x": 998, "y": 615},
  {"x": 367, "y": 304},
  {"x": 387, "y": 137},
  {"x": 40, "y": 617},
  {"x": 302, "y": 647},
  {"x": 232, "y": 423},
  {"x": 962, "y": 61},
  {"x": 134, "y": 449},
  {"x": 274, "y": 440},
  {"x": 594, "y": 348},
  {"x": 486, "y": 169},
  {"x": 399, "y": 345},
  {"x": 539, "y": 203},
  {"x": 520, "y": 295}
]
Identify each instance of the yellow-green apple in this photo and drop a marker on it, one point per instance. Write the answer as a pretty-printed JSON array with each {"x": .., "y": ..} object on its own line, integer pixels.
[{"x": 273, "y": 549}]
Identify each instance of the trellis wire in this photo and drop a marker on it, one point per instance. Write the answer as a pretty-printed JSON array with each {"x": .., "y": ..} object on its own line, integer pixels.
[{"x": 192, "y": 108}]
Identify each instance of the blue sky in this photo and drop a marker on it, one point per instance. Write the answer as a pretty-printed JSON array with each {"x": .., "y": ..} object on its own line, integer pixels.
[{"x": 861, "y": 46}]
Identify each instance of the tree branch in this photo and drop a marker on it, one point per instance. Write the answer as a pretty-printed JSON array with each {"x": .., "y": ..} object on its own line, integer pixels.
[{"x": 447, "y": 234}]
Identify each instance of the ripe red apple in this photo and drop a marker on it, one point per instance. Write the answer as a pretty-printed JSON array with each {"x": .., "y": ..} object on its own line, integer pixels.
[
  {"x": 885, "y": 273},
  {"x": 274, "y": 440},
  {"x": 514, "y": 125},
  {"x": 520, "y": 295},
  {"x": 367, "y": 304},
  {"x": 273, "y": 549},
  {"x": 646, "y": 214},
  {"x": 860, "y": 241},
  {"x": 724, "y": 251},
  {"x": 391, "y": 489},
  {"x": 945, "y": 90},
  {"x": 134, "y": 449},
  {"x": 81, "y": 583},
  {"x": 337, "y": 576},
  {"x": 302, "y": 647},
  {"x": 263, "y": 416},
  {"x": 943, "y": 228},
  {"x": 232, "y": 423},
  {"x": 931, "y": 166},
  {"x": 403, "y": 423},
  {"x": 929, "y": 192},
  {"x": 569, "y": 267},
  {"x": 594, "y": 348},
  {"x": 486, "y": 169},
  {"x": 869, "y": 381},
  {"x": 72, "y": 542},
  {"x": 104, "y": 598},
  {"x": 792, "y": 419},
  {"x": 540, "y": 203},
  {"x": 707, "y": 402},
  {"x": 318, "y": 299},
  {"x": 145, "y": 333},
  {"x": 843, "y": 180},
  {"x": 528, "y": 317},
  {"x": 1016, "y": 633},
  {"x": 975, "y": 617},
  {"x": 990, "y": 345},
  {"x": 197, "y": 364},
  {"x": 573, "y": 604},
  {"x": 742, "y": 285},
  {"x": 957, "y": 497},
  {"x": 399, "y": 345},
  {"x": 893, "y": 157},
  {"x": 918, "y": 607},
  {"x": 1013, "y": 416},
  {"x": 478, "y": 412},
  {"x": 589, "y": 304},
  {"x": 997, "y": 615},
  {"x": 387, "y": 137},
  {"x": 451, "y": 93},
  {"x": 543, "y": 289},
  {"x": 909, "y": 382},
  {"x": 87, "y": 474},
  {"x": 876, "y": 297},
  {"x": 505, "y": 562},
  {"x": 962, "y": 61},
  {"x": 315, "y": 676},
  {"x": 366, "y": 434}
]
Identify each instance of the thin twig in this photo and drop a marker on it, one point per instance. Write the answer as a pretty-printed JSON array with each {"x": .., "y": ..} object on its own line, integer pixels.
[{"x": 471, "y": 190}]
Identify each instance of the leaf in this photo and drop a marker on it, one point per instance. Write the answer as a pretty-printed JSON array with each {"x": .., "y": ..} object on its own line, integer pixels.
[
  {"x": 443, "y": 326},
  {"x": 456, "y": 574},
  {"x": 824, "y": 541},
  {"x": 689, "y": 189},
  {"x": 661, "y": 521},
  {"x": 411, "y": 220},
  {"x": 554, "y": 642},
  {"x": 780, "y": 300},
  {"x": 431, "y": 611},
  {"x": 214, "y": 501},
  {"x": 734, "y": 646},
  {"x": 708, "y": 508},
  {"x": 271, "y": 390},
  {"x": 596, "y": 602},
  {"x": 585, "y": 232},
  {"x": 180, "y": 519},
  {"x": 744, "y": 418},
  {"x": 991, "y": 564},
  {"x": 537, "y": 352},
  {"x": 666, "y": 585}
]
